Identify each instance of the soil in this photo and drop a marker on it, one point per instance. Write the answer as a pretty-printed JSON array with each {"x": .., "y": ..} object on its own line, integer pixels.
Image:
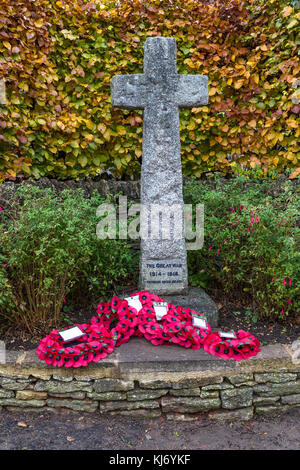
[
  {"x": 232, "y": 316},
  {"x": 268, "y": 332},
  {"x": 68, "y": 430}
]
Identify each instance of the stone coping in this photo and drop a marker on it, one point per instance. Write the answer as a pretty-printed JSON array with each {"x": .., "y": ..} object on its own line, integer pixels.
[{"x": 137, "y": 357}]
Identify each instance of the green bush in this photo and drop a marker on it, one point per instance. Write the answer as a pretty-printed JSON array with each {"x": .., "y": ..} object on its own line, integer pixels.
[
  {"x": 49, "y": 250},
  {"x": 49, "y": 245},
  {"x": 6, "y": 298},
  {"x": 251, "y": 243}
]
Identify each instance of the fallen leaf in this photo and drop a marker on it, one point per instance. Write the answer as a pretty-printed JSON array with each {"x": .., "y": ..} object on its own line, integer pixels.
[
  {"x": 21, "y": 424},
  {"x": 295, "y": 174}
]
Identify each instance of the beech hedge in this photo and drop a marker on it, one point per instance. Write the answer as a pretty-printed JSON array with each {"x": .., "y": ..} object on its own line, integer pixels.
[{"x": 57, "y": 59}]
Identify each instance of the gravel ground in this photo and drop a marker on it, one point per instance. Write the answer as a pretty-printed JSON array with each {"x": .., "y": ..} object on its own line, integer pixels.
[{"x": 75, "y": 431}]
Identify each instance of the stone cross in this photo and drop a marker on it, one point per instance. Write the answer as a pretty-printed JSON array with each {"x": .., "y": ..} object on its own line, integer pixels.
[{"x": 160, "y": 91}]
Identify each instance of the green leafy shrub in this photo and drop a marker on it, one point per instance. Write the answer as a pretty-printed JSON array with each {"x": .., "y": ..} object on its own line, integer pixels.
[
  {"x": 251, "y": 242},
  {"x": 6, "y": 297},
  {"x": 50, "y": 249}
]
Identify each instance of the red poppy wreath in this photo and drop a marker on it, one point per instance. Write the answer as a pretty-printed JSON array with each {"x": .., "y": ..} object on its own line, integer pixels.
[
  {"x": 176, "y": 326},
  {"x": 120, "y": 319},
  {"x": 118, "y": 316},
  {"x": 95, "y": 344},
  {"x": 243, "y": 346}
]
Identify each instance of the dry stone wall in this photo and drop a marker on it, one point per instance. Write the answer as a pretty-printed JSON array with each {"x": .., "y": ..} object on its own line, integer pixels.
[{"x": 263, "y": 385}]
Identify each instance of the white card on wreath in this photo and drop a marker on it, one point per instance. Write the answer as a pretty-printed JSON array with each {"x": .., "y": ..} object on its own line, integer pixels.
[
  {"x": 227, "y": 334},
  {"x": 134, "y": 301},
  {"x": 199, "y": 322},
  {"x": 161, "y": 309},
  {"x": 71, "y": 333}
]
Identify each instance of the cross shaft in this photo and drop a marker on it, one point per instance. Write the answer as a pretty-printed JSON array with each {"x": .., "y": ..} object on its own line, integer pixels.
[{"x": 160, "y": 91}]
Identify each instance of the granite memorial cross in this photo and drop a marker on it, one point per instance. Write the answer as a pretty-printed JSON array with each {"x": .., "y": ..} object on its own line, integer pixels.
[{"x": 160, "y": 91}]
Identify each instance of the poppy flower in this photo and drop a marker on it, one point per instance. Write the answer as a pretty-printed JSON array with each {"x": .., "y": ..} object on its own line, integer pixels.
[
  {"x": 86, "y": 358},
  {"x": 138, "y": 333},
  {"x": 115, "y": 302},
  {"x": 180, "y": 339},
  {"x": 173, "y": 324},
  {"x": 99, "y": 354},
  {"x": 146, "y": 298},
  {"x": 123, "y": 326},
  {"x": 68, "y": 362},
  {"x": 132, "y": 317},
  {"x": 153, "y": 328},
  {"x": 58, "y": 359},
  {"x": 192, "y": 336},
  {"x": 157, "y": 341},
  {"x": 103, "y": 308},
  {"x": 146, "y": 315},
  {"x": 221, "y": 350},
  {"x": 172, "y": 310},
  {"x": 183, "y": 312}
]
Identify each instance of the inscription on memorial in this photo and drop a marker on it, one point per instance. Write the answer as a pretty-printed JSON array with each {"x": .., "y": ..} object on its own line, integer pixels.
[{"x": 163, "y": 274}]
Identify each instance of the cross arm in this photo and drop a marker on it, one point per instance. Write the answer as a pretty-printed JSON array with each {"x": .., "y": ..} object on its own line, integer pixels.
[
  {"x": 128, "y": 91},
  {"x": 192, "y": 91}
]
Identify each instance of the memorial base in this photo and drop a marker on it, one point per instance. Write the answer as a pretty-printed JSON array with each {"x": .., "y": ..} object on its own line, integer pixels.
[
  {"x": 194, "y": 298},
  {"x": 197, "y": 299}
]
